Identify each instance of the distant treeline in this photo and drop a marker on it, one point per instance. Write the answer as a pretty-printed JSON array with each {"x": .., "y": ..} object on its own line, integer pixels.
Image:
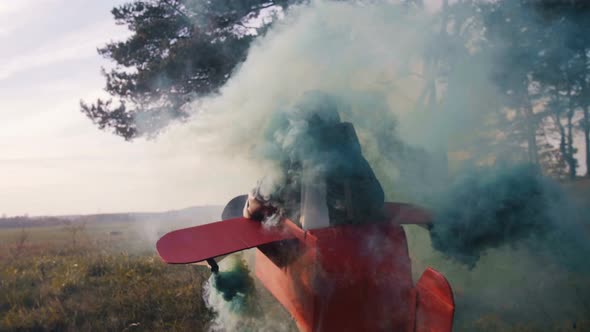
[
  {"x": 185, "y": 215},
  {"x": 25, "y": 221}
]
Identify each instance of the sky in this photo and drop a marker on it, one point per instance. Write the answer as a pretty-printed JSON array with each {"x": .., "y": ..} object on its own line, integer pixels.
[{"x": 53, "y": 160}]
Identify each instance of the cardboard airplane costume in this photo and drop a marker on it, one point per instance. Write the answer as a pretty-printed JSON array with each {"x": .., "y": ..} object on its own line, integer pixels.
[
  {"x": 336, "y": 278},
  {"x": 341, "y": 263}
]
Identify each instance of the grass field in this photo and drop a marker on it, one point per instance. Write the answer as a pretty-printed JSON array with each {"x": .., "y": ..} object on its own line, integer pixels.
[
  {"x": 510, "y": 289},
  {"x": 102, "y": 278},
  {"x": 107, "y": 277}
]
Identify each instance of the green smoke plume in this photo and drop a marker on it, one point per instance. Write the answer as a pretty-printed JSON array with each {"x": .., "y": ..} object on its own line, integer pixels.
[
  {"x": 235, "y": 283},
  {"x": 493, "y": 206}
]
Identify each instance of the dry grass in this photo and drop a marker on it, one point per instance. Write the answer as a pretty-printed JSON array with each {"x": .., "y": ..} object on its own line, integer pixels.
[
  {"x": 93, "y": 284},
  {"x": 106, "y": 277}
]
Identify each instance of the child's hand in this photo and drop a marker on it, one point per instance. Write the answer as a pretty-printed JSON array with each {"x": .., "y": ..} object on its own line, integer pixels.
[{"x": 256, "y": 209}]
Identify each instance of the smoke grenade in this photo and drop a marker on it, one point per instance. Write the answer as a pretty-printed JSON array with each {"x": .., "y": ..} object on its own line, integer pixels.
[
  {"x": 235, "y": 282},
  {"x": 238, "y": 302}
]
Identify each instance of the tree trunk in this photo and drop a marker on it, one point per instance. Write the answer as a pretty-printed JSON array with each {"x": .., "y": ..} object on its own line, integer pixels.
[
  {"x": 531, "y": 131},
  {"x": 586, "y": 128},
  {"x": 562, "y": 141},
  {"x": 571, "y": 158},
  {"x": 428, "y": 96},
  {"x": 571, "y": 152},
  {"x": 586, "y": 110}
]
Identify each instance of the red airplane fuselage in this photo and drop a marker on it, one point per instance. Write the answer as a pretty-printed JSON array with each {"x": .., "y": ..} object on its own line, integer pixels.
[
  {"x": 341, "y": 278},
  {"x": 353, "y": 278}
]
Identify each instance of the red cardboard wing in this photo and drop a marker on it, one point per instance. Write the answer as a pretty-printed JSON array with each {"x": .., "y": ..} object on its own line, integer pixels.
[{"x": 199, "y": 243}]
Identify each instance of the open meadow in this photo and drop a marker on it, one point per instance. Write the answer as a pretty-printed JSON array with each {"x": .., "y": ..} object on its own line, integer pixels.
[
  {"x": 122, "y": 120},
  {"x": 100, "y": 277},
  {"x": 106, "y": 276}
]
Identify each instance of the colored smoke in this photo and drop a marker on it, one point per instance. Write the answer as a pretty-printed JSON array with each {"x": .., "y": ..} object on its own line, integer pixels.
[
  {"x": 367, "y": 58},
  {"x": 317, "y": 151},
  {"x": 238, "y": 304},
  {"x": 489, "y": 207},
  {"x": 234, "y": 283}
]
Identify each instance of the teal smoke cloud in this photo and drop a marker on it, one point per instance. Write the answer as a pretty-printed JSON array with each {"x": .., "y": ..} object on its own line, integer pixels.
[{"x": 489, "y": 207}]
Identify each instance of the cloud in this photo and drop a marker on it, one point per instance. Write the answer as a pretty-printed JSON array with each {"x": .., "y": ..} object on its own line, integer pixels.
[
  {"x": 18, "y": 13},
  {"x": 76, "y": 45},
  {"x": 4, "y": 31},
  {"x": 15, "y": 7}
]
